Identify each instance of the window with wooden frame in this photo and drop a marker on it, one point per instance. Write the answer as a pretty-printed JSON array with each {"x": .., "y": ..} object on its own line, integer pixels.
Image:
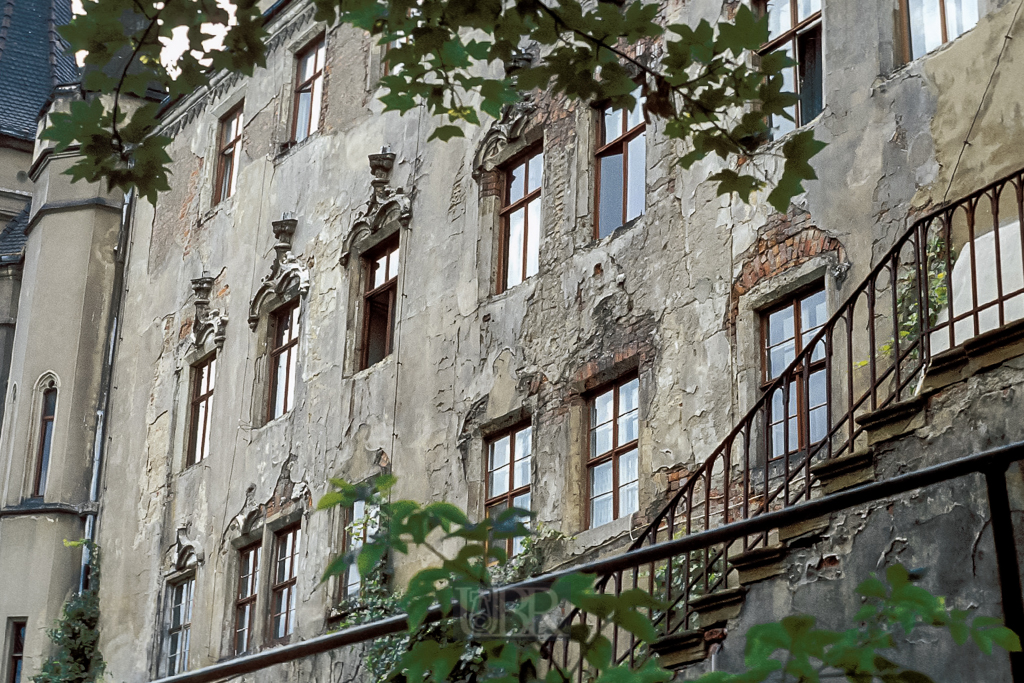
[
  {"x": 245, "y": 598},
  {"x": 926, "y": 24},
  {"x": 509, "y": 476},
  {"x": 361, "y": 522},
  {"x": 179, "y": 625},
  {"x": 229, "y": 151},
  {"x": 520, "y": 220},
  {"x": 284, "y": 359},
  {"x": 613, "y": 465},
  {"x": 16, "y": 658},
  {"x": 204, "y": 376},
  {"x": 283, "y": 589},
  {"x": 798, "y": 414},
  {"x": 48, "y": 410},
  {"x": 379, "y": 302},
  {"x": 309, "y": 90},
  {"x": 621, "y": 167},
  {"x": 794, "y": 26}
]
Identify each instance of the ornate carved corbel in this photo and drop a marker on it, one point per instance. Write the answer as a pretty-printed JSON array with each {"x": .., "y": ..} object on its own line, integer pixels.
[
  {"x": 285, "y": 272},
  {"x": 510, "y": 125},
  {"x": 208, "y": 321},
  {"x": 385, "y": 201}
]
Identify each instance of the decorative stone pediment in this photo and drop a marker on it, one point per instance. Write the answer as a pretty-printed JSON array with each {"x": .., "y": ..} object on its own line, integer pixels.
[
  {"x": 187, "y": 552},
  {"x": 386, "y": 203},
  {"x": 209, "y": 322},
  {"x": 510, "y": 125},
  {"x": 287, "y": 273}
]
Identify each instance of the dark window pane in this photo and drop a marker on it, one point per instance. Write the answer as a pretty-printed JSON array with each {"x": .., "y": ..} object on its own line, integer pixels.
[
  {"x": 610, "y": 213},
  {"x": 378, "y": 328},
  {"x": 809, "y": 47}
]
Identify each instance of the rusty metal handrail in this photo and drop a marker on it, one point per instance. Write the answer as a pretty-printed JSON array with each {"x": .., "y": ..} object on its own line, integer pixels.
[
  {"x": 994, "y": 460},
  {"x": 876, "y": 347}
]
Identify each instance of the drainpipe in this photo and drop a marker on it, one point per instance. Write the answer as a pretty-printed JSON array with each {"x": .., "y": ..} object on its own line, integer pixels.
[{"x": 102, "y": 404}]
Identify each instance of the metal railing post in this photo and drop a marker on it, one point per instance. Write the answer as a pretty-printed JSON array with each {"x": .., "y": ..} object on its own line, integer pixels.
[{"x": 1006, "y": 560}]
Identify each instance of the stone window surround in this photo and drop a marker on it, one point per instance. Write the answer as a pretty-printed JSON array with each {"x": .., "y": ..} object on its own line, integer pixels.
[
  {"x": 192, "y": 447},
  {"x": 202, "y": 350},
  {"x": 507, "y": 497},
  {"x": 262, "y": 530},
  {"x": 184, "y": 564},
  {"x": 32, "y": 459},
  {"x": 490, "y": 203},
  {"x": 208, "y": 205},
  {"x": 295, "y": 47},
  {"x": 590, "y": 379},
  {"x": 391, "y": 229},
  {"x": 475, "y": 450},
  {"x": 171, "y": 582},
  {"x": 521, "y": 158},
  {"x": 764, "y": 295}
]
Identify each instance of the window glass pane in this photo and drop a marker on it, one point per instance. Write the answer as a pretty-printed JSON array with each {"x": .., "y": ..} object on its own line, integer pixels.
[
  {"x": 315, "y": 104},
  {"x": 393, "y": 265},
  {"x": 628, "y": 468},
  {"x": 380, "y": 271},
  {"x": 517, "y": 183},
  {"x": 809, "y": 47},
  {"x": 280, "y": 388},
  {"x": 806, "y": 8},
  {"x": 522, "y": 468},
  {"x": 629, "y": 499},
  {"x": 601, "y": 510},
  {"x": 515, "y": 247},
  {"x": 629, "y": 396},
  {"x": 925, "y": 26},
  {"x": 780, "y": 326},
  {"x": 636, "y": 192},
  {"x": 302, "y": 115},
  {"x": 536, "y": 175},
  {"x": 961, "y": 15},
  {"x": 601, "y": 479},
  {"x": 779, "y": 358},
  {"x": 49, "y": 403},
  {"x": 602, "y": 410},
  {"x": 627, "y": 428},
  {"x": 780, "y": 18},
  {"x": 289, "y": 396},
  {"x": 601, "y": 440},
  {"x": 612, "y": 125},
  {"x": 610, "y": 210},
  {"x": 307, "y": 66},
  {"x": 533, "y": 238},
  {"x": 813, "y": 311},
  {"x": 321, "y": 54},
  {"x": 500, "y": 452},
  {"x": 636, "y": 114},
  {"x": 499, "y": 481},
  {"x": 522, "y": 502}
]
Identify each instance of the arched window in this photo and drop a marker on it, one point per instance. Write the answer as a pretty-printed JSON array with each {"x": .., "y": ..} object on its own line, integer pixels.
[{"x": 49, "y": 408}]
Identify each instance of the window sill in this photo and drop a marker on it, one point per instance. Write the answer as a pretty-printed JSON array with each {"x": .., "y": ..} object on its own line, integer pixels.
[
  {"x": 287, "y": 149},
  {"x": 595, "y": 537},
  {"x": 621, "y": 230},
  {"x": 367, "y": 371},
  {"x": 519, "y": 288}
]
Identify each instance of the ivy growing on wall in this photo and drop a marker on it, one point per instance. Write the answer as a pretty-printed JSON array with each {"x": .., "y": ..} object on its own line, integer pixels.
[{"x": 77, "y": 658}]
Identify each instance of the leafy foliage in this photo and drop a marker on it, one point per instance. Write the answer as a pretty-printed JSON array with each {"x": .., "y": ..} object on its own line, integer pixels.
[
  {"x": 77, "y": 658},
  {"x": 476, "y": 638},
  {"x": 794, "y": 649},
  {"x": 705, "y": 86}
]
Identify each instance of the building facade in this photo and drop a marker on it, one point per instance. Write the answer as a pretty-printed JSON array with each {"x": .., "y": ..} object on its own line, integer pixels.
[{"x": 549, "y": 313}]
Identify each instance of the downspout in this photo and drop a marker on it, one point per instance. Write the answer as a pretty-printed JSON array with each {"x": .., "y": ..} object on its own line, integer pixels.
[{"x": 102, "y": 404}]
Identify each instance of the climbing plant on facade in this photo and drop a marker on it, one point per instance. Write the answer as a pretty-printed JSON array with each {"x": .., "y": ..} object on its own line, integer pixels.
[
  {"x": 703, "y": 83},
  {"x": 75, "y": 637}
]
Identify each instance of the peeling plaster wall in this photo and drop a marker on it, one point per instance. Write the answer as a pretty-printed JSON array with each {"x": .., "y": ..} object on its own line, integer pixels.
[{"x": 654, "y": 298}]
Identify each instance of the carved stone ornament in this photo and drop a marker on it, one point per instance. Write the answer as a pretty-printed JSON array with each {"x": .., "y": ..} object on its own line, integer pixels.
[
  {"x": 285, "y": 272},
  {"x": 512, "y": 122},
  {"x": 208, "y": 321},
  {"x": 384, "y": 203}
]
